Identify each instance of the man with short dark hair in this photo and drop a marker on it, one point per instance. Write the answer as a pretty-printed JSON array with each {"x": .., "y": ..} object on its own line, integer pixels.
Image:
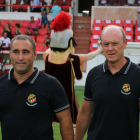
[
  {"x": 55, "y": 9},
  {"x": 112, "y": 93},
  {"x": 29, "y": 98},
  {"x": 44, "y": 12}
]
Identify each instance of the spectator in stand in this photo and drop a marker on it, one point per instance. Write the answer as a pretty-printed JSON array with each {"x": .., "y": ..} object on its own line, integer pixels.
[
  {"x": 139, "y": 17},
  {"x": 24, "y": 1},
  {"x": 52, "y": 3},
  {"x": 47, "y": 45},
  {"x": 6, "y": 41},
  {"x": 44, "y": 12},
  {"x": 17, "y": 30},
  {"x": 36, "y": 3},
  {"x": 8, "y": 30},
  {"x": 32, "y": 27},
  {"x": 48, "y": 36},
  {"x": 55, "y": 9}
]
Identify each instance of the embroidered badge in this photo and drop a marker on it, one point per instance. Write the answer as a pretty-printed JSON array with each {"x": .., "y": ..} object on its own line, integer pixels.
[
  {"x": 126, "y": 89},
  {"x": 31, "y": 101}
]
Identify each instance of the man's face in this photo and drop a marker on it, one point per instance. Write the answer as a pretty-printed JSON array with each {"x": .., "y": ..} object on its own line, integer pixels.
[
  {"x": 113, "y": 44},
  {"x": 22, "y": 56},
  {"x": 5, "y": 35},
  {"x": 32, "y": 19}
]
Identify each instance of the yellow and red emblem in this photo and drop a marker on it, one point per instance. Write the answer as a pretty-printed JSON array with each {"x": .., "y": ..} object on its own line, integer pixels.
[
  {"x": 31, "y": 98},
  {"x": 126, "y": 88}
]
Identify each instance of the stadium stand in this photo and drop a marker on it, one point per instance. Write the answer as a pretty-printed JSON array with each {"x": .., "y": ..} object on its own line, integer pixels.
[
  {"x": 118, "y": 23},
  {"x": 4, "y": 22},
  {"x": 116, "y": 4},
  {"x": 136, "y": 23},
  {"x": 13, "y": 31},
  {"x": 24, "y": 23},
  {"x": 137, "y": 1},
  {"x": 68, "y": 2},
  {"x": 39, "y": 47},
  {"x": 14, "y": 22},
  {"x": 107, "y": 22},
  {"x": 32, "y": 36},
  {"x": 102, "y": 2},
  {"x": 40, "y": 39},
  {"x": 42, "y": 31},
  {"x": 97, "y": 22},
  {"x": 107, "y": 4},
  {"x": 2, "y": 7},
  {"x": 1, "y": 30},
  {"x": 25, "y": 7},
  {"x": 128, "y": 23},
  {"x": 60, "y": 2},
  {"x": 23, "y": 30},
  {"x": 128, "y": 30},
  {"x": 93, "y": 46},
  {"x": 15, "y": 7},
  {"x": 95, "y": 37},
  {"x": 129, "y": 37},
  {"x": 112, "y": 1},
  {"x": 96, "y": 29},
  {"x": 137, "y": 38},
  {"x": 137, "y": 30}
]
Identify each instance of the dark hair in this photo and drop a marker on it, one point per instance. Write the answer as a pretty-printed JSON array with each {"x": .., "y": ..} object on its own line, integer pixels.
[
  {"x": 32, "y": 17},
  {"x": 18, "y": 25},
  {"x": 48, "y": 43},
  {"x": 44, "y": 3},
  {"x": 55, "y": 2},
  {"x": 4, "y": 32},
  {"x": 63, "y": 50},
  {"x": 8, "y": 25}
]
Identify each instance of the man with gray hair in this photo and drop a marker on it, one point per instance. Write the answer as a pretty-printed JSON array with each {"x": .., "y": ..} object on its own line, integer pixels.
[
  {"x": 29, "y": 98},
  {"x": 112, "y": 93}
]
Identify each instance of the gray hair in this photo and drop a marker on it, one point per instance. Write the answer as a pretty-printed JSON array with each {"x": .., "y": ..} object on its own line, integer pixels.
[
  {"x": 110, "y": 26},
  {"x": 24, "y": 37}
]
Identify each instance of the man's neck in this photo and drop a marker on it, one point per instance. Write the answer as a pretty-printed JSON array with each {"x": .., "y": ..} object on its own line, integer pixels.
[
  {"x": 115, "y": 67},
  {"x": 22, "y": 77}
]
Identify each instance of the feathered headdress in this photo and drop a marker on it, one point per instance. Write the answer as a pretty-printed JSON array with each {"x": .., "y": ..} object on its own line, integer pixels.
[{"x": 61, "y": 32}]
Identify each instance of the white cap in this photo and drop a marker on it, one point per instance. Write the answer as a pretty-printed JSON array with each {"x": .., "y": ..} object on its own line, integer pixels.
[{"x": 60, "y": 39}]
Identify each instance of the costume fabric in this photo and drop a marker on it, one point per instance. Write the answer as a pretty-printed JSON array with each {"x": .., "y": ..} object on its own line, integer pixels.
[{"x": 66, "y": 73}]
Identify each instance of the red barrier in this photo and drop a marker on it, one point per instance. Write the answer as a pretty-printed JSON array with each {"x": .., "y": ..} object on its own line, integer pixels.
[{"x": 31, "y": 6}]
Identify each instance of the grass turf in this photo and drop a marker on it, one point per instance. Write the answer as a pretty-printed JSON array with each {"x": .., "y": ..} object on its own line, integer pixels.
[{"x": 79, "y": 93}]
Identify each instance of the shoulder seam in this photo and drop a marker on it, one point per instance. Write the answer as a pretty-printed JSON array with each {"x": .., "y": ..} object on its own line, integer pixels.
[{"x": 2, "y": 76}]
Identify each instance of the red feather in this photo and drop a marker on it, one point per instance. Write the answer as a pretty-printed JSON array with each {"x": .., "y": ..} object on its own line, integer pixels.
[{"x": 61, "y": 22}]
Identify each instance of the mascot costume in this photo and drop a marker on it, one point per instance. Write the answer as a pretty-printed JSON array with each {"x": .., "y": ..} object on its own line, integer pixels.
[{"x": 61, "y": 62}]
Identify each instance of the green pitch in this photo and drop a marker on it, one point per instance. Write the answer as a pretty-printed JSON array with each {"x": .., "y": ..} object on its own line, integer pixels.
[{"x": 79, "y": 93}]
